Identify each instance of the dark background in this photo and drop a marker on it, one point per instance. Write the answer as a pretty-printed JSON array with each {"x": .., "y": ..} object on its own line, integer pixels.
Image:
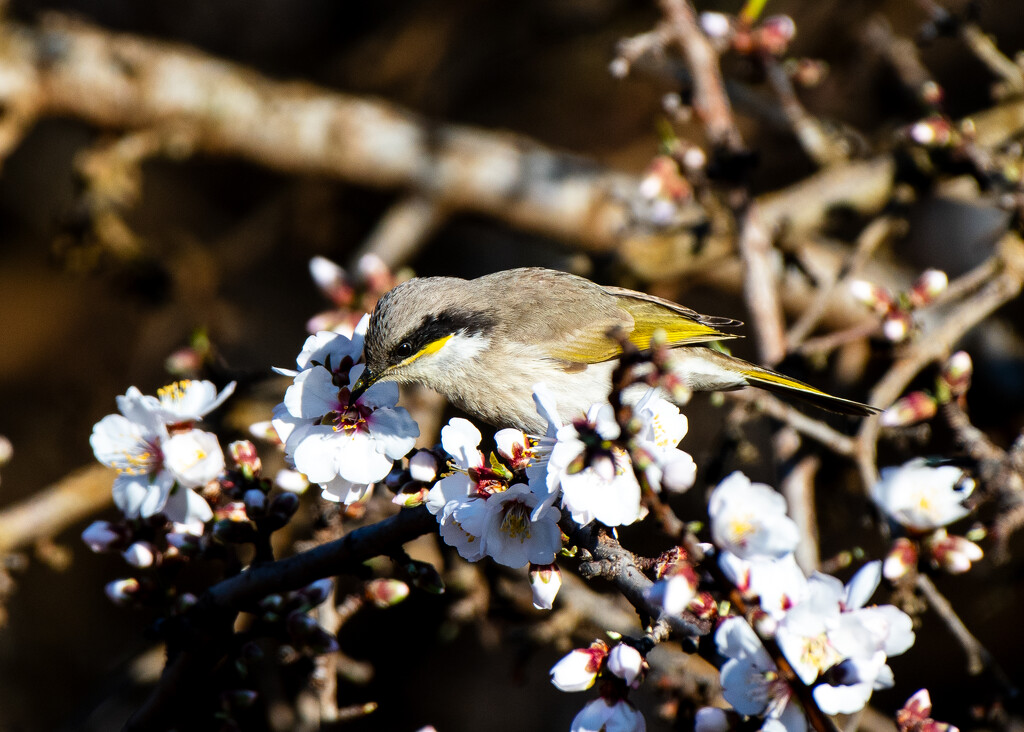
[{"x": 228, "y": 247}]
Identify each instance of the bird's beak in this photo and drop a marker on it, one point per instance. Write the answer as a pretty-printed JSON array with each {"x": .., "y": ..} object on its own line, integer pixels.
[{"x": 364, "y": 382}]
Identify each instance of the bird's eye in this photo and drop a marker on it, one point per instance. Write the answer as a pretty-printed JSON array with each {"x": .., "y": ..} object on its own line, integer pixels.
[{"x": 404, "y": 349}]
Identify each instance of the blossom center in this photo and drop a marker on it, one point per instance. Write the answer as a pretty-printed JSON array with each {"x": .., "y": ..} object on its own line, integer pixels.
[
  {"x": 353, "y": 419},
  {"x": 515, "y": 521},
  {"x": 144, "y": 458}
]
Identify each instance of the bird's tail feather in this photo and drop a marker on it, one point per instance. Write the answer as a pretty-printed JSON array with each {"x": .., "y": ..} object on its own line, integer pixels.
[{"x": 779, "y": 384}]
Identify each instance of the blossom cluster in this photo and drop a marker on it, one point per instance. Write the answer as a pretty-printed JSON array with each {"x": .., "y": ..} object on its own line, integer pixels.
[
  {"x": 828, "y": 636},
  {"x": 505, "y": 506},
  {"x": 159, "y": 454}
]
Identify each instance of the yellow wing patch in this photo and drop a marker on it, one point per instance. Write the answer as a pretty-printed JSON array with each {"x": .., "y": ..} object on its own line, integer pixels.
[
  {"x": 593, "y": 345},
  {"x": 650, "y": 317}
]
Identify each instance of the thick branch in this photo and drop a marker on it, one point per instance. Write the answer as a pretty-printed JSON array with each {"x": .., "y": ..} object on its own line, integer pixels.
[{"x": 207, "y": 626}]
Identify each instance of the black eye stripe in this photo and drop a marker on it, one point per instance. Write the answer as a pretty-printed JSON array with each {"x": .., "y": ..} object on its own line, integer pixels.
[{"x": 438, "y": 326}]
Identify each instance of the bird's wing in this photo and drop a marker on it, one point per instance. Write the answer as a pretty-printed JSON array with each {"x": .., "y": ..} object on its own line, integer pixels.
[
  {"x": 682, "y": 326},
  {"x": 640, "y": 315}
]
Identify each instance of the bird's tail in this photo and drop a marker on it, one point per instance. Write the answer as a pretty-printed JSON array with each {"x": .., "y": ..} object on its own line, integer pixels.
[
  {"x": 776, "y": 382},
  {"x": 706, "y": 369}
]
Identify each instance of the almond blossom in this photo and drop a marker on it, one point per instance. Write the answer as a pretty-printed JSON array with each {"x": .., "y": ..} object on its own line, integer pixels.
[
  {"x": 595, "y": 475},
  {"x": 156, "y": 469},
  {"x": 749, "y": 519},
  {"x": 922, "y": 497},
  {"x": 481, "y": 514},
  {"x": 342, "y": 444},
  {"x": 603, "y": 715}
]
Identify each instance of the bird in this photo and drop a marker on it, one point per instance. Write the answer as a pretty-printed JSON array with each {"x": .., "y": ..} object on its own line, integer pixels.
[{"x": 486, "y": 343}]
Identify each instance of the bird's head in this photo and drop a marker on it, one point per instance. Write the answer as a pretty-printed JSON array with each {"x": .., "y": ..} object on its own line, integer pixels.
[{"x": 422, "y": 330}]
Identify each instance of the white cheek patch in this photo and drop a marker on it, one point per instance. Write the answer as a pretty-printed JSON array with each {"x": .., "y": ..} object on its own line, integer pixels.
[{"x": 461, "y": 348}]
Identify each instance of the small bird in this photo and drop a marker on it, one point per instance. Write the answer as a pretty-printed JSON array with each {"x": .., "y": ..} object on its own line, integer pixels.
[{"x": 484, "y": 343}]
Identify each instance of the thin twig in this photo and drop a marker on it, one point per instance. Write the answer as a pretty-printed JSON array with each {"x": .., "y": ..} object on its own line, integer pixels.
[
  {"x": 872, "y": 237},
  {"x": 978, "y": 657},
  {"x": 823, "y": 148},
  {"x": 808, "y": 426},
  {"x": 710, "y": 101},
  {"x": 798, "y": 488}
]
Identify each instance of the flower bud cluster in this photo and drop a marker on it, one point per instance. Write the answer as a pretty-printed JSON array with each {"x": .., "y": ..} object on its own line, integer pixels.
[
  {"x": 951, "y": 384},
  {"x": 351, "y": 293},
  {"x": 896, "y": 311},
  {"x": 769, "y": 37}
]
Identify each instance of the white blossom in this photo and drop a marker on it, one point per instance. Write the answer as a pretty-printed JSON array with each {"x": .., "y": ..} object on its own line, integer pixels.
[
  {"x": 155, "y": 469},
  {"x": 508, "y": 534},
  {"x": 663, "y": 429},
  {"x": 341, "y": 444},
  {"x": 601, "y": 715},
  {"x": 922, "y": 497},
  {"x": 750, "y": 680},
  {"x": 749, "y": 519},
  {"x": 187, "y": 400}
]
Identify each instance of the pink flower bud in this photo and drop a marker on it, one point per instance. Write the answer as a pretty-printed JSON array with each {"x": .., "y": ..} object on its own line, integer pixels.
[
  {"x": 626, "y": 662},
  {"x": 954, "y": 554},
  {"x": 911, "y": 409},
  {"x": 243, "y": 453},
  {"x": 423, "y": 467},
  {"x": 715, "y": 25},
  {"x": 122, "y": 592},
  {"x": 929, "y": 285},
  {"x": 331, "y": 279},
  {"x": 935, "y": 131},
  {"x": 901, "y": 559},
  {"x": 100, "y": 536},
  {"x": 957, "y": 372},
  {"x": 704, "y": 606},
  {"x": 545, "y": 581},
  {"x": 578, "y": 669},
  {"x": 774, "y": 35},
  {"x": 386, "y": 592},
  {"x": 140, "y": 554},
  {"x": 896, "y": 327},
  {"x": 411, "y": 498},
  {"x": 874, "y": 296}
]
